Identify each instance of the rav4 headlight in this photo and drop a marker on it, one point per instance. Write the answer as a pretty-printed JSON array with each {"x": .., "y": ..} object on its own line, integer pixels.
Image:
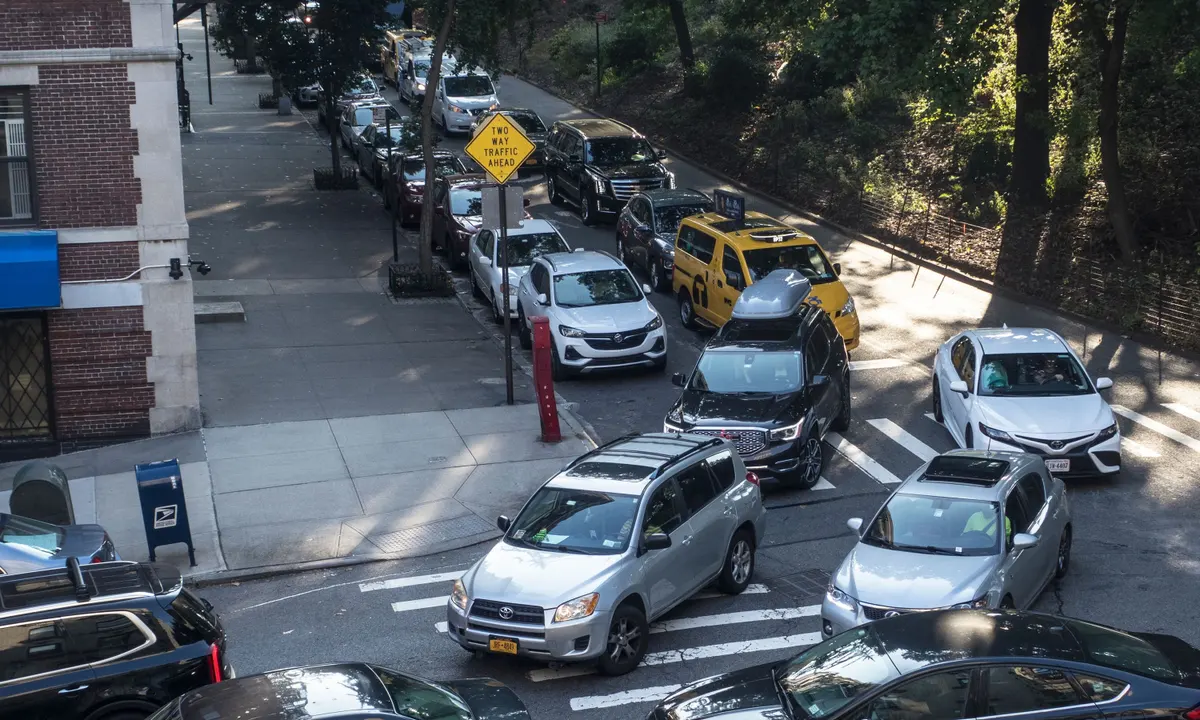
[
  {"x": 458, "y": 595},
  {"x": 580, "y": 607}
]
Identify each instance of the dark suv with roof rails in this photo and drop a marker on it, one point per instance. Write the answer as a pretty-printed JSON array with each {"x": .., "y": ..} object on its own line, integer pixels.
[
  {"x": 104, "y": 641},
  {"x": 599, "y": 164},
  {"x": 774, "y": 380},
  {"x": 647, "y": 227}
]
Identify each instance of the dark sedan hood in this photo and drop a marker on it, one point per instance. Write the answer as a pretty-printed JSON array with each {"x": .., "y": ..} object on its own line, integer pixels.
[
  {"x": 490, "y": 699},
  {"x": 748, "y": 693},
  {"x": 640, "y": 170},
  {"x": 721, "y": 410}
]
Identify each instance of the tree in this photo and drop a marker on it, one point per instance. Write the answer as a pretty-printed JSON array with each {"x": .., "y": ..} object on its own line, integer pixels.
[
  {"x": 432, "y": 79},
  {"x": 1031, "y": 124},
  {"x": 683, "y": 34}
]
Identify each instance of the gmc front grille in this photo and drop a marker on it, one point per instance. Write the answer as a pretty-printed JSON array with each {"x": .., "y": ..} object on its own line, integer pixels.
[
  {"x": 748, "y": 441},
  {"x": 625, "y": 189}
]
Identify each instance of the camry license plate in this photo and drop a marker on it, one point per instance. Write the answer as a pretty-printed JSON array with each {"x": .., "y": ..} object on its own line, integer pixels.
[
  {"x": 1058, "y": 465},
  {"x": 502, "y": 645}
]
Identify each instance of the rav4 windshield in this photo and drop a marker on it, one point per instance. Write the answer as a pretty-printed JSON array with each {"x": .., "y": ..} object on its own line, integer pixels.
[
  {"x": 738, "y": 371},
  {"x": 1038, "y": 374},
  {"x": 617, "y": 151},
  {"x": 808, "y": 259},
  {"x": 469, "y": 86},
  {"x": 599, "y": 287},
  {"x": 578, "y": 521}
]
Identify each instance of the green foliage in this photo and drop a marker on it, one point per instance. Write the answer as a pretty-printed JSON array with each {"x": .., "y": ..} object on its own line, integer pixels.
[
  {"x": 572, "y": 50},
  {"x": 737, "y": 75},
  {"x": 637, "y": 41}
]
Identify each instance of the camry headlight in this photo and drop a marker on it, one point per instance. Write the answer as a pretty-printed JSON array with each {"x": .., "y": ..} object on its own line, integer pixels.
[
  {"x": 1107, "y": 432},
  {"x": 568, "y": 331},
  {"x": 654, "y": 324},
  {"x": 848, "y": 308},
  {"x": 458, "y": 595},
  {"x": 841, "y": 599},
  {"x": 580, "y": 607},
  {"x": 791, "y": 432},
  {"x": 973, "y": 605},
  {"x": 995, "y": 434}
]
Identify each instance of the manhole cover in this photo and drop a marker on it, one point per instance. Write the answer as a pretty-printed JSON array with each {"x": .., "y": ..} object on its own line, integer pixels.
[{"x": 804, "y": 586}]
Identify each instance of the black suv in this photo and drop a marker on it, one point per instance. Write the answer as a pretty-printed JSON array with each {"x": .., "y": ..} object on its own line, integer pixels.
[
  {"x": 647, "y": 227},
  {"x": 773, "y": 382},
  {"x": 599, "y": 164},
  {"x": 105, "y": 641}
]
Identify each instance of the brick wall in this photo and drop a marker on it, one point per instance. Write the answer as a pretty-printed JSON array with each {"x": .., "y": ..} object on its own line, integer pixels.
[
  {"x": 97, "y": 261},
  {"x": 98, "y": 369},
  {"x": 62, "y": 24}
]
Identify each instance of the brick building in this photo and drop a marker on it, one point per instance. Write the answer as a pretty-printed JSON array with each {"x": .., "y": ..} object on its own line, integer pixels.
[{"x": 97, "y": 341}]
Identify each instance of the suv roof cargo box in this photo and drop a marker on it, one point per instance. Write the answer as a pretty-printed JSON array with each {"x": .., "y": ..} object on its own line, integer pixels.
[{"x": 780, "y": 294}]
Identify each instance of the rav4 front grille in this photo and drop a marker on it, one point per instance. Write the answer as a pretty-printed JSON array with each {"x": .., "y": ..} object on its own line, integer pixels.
[{"x": 507, "y": 612}]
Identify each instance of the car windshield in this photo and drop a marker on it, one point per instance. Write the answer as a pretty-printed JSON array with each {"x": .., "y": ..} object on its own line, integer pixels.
[
  {"x": 421, "y": 68},
  {"x": 466, "y": 202},
  {"x": 469, "y": 86},
  {"x": 825, "y": 678},
  {"x": 611, "y": 152},
  {"x": 668, "y": 217},
  {"x": 414, "y": 170},
  {"x": 1037, "y": 374},
  {"x": 575, "y": 521},
  {"x": 529, "y": 122},
  {"x": 745, "y": 371},
  {"x": 364, "y": 86},
  {"x": 404, "y": 135},
  {"x": 16, "y": 530},
  {"x": 808, "y": 259},
  {"x": 522, "y": 249},
  {"x": 936, "y": 526},
  {"x": 599, "y": 287},
  {"x": 422, "y": 700}
]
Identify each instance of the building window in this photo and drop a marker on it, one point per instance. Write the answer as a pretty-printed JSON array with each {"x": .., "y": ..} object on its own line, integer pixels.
[{"x": 17, "y": 198}]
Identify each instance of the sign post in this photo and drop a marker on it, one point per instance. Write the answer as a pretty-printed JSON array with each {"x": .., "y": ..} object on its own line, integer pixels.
[{"x": 501, "y": 147}]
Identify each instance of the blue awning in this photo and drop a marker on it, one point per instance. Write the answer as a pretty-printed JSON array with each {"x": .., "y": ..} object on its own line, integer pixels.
[{"x": 29, "y": 270}]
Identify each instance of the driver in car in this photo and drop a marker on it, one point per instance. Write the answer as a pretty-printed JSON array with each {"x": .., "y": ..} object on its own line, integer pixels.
[{"x": 1050, "y": 371}]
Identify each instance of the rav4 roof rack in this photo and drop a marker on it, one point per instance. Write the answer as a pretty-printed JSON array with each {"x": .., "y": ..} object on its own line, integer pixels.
[{"x": 676, "y": 459}]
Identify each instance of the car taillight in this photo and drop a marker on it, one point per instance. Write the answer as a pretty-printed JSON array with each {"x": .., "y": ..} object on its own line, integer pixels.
[
  {"x": 1193, "y": 714},
  {"x": 752, "y": 479},
  {"x": 97, "y": 559},
  {"x": 214, "y": 663}
]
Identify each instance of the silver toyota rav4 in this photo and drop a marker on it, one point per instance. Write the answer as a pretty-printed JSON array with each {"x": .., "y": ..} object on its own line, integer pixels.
[{"x": 622, "y": 535}]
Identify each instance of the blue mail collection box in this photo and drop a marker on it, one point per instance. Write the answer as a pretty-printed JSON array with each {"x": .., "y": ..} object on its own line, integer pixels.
[{"x": 164, "y": 508}]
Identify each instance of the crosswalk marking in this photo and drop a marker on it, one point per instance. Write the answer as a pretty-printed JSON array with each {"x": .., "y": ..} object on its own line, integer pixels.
[
  {"x": 864, "y": 461},
  {"x": 902, "y": 436},
  {"x": 420, "y": 604},
  {"x": 823, "y": 484},
  {"x": 876, "y": 364},
  {"x": 1134, "y": 447},
  {"x": 734, "y": 618},
  {"x": 931, "y": 417},
  {"x": 410, "y": 581},
  {"x": 625, "y": 697},
  {"x": 1157, "y": 427},
  {"x": 1183, "y": 410}
]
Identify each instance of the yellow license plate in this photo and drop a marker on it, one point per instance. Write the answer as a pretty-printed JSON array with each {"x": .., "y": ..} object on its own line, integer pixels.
[{"x": 502, "y": 645}]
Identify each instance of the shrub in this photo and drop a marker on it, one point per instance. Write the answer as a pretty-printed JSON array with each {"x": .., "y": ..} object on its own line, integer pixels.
[
  {"x": 325, "y": 179},
  {"x": 736, "y": 74},
  {"x": 636, "y": 42},
  {"x": 573, "y": 50}
]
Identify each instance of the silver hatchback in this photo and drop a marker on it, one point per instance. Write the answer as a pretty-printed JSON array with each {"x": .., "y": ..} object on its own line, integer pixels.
[
  {"x": 970, "y": 529},
  {"x": 618, "y": 538}
]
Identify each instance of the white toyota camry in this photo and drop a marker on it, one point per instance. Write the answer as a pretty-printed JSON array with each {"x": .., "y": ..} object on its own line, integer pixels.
[{"x": 1025, "y": 390}]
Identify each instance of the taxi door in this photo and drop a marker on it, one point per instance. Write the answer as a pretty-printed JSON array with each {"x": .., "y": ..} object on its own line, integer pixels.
[
  {"x": 695, "y": 271},
  {"x": 728, "y": 284}
]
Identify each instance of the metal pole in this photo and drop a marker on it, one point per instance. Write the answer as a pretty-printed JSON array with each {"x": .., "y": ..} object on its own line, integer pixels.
[
  {"x": 508, "y": 371},
  {"x": 207, "y": 60},
  {"x": 597, "y": 59},
  {"x": 395, "y": 239}
]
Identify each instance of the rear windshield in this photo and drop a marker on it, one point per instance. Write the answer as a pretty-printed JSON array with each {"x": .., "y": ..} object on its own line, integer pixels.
[
  {"x": 16, "y": 530},
  {"x": 414, "y": 170},
  {"x": 1121, "y": 651}
]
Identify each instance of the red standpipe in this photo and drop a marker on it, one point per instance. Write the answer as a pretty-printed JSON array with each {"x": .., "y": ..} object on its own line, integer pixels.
[{"x": 543, "y": 379}]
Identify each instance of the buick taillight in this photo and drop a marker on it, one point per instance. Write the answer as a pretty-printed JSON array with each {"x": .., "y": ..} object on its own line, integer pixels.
[
  {"x": 1193, "y": 714},
  {"x": 752, "y": 479},
  {"x": 214, "y": 664}
]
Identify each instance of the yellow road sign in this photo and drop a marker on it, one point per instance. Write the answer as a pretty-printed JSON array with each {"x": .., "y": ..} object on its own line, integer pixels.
[{"x": 500, "y": 147}]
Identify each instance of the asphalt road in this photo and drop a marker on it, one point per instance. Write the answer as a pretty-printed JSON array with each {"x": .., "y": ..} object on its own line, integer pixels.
[{"x": 1135, "y": 556}]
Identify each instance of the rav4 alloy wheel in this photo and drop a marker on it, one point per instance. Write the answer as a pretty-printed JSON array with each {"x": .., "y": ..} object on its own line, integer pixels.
[
  {"x": 739, "y": 563},
  {"x": 626, "y": 641}
]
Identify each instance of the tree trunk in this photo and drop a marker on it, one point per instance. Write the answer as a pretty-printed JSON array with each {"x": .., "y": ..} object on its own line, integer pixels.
[
  {"x": 334, "y": 130},
  {"x": 686, "y": 56},
  {"x": 425, "y": 247},
  {"x": 1112, "y": 57}
]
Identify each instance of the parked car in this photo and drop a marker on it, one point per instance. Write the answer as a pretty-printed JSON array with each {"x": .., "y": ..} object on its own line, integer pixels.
[
  {"x": 357, "y": 116},
  {"x": 599, "y": 318},
  {"x": 27, "y": 544},
  {"x": 361, "y": 88},
  {"x": 414, "y": 74},
  {"x": 404, "y": 181},
  {"x": 530, "y": 123},
  {"x": 103, "y": 641},
  {"x": 599, "y": 164},
  {"x": 960, "y": 664},
  {"x": 460, "y": 98},
  {"x": 969, "y": 529},
  {"x": 774, "y": 379},
  {"x": 716, "y": 258},
  {"x": 458, "y": 215},
  {"x": 647, "y": 226},
  {"x": 374, "y": 144},
  {"x": 532, "y": 240},
  {"x": 347, "y": 690},
  {"x": 308, "y": 95},
  {"x": 622, "y": 535},
  {"x": 1025, "y": 390}
]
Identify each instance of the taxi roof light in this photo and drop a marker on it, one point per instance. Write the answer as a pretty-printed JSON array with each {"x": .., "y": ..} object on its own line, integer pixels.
[{"x": 781, "y": 294}]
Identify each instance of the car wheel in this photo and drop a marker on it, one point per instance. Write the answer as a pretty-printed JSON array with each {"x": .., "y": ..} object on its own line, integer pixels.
[
  {"x": 558, "y": 371},
  {"x": 812, "y": 461},
  {"x": 687, "y": 314},
  {"x": 739, "y": 564},
  {"x": 523, "y": 333},
  {"x": 552, "y": 190},
  {"x": 1064, "y": 554},
  {"x": 587, "y": 208},
  {"x": 937, "y": 403},
  {"x": 475, "y": 291},
  {"x": 1007, "y": 603},
  {"x": 657, "y": 275},
  {"x": 841, "y": 423},
  {"x": 497, "y": 316},
  {"x": 626, "y": 641}
]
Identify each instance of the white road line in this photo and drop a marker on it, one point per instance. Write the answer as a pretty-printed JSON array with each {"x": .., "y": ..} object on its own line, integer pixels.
[
  {"x": 1183, "y": 410},
  {"x": 823, "y": 484},
  {"x": 626, "y": 697},
  {"x": 902, "y": 436},
  {"x": 734, "y": 618},
  {"x": 931, "y": 417},
  {"x": 1157, "y": 427},
  {"x": 864, "y": 461},
  {"x": 410, "y": 581},
  {"x": 441, "y": 627},
  {"x": 753, "y": 589},
  {"x": 876, "y": 364},
  {"x": 1134, "y": 447},
  {"x": 421, "y": 604},
  {"x": 783, "y": 642}
]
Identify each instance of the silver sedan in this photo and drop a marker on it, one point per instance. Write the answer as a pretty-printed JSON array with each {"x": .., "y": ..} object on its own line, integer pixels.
[{"x": 970, "y": 529}]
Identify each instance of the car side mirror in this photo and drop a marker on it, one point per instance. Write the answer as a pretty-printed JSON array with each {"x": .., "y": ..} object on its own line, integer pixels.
[
  {"x": 656, "y": 541},
  {"x": 960, "y": 386},
  {"x": 855, "y": 524},
  {"x": 503, "y": 523},
  {"x": 485, "y": 261},
  {"x": 573, "y": 159},
  {"x": 678, "y": 379},
  {"x": 819, "y": 380},
  {"x": 1023, "y": 541},
  {"x": 542, "y": 299},
  {"x": 660, "y": 154},
  {"x": 837, "y": 268},
  {"x": 647, "y": 289},
  {"x": 1103, "y": 383},
  {"x": 642, "y": 230}
]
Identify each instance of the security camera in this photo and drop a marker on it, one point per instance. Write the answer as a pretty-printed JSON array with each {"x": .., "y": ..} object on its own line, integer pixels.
[{"x": 204, "y": 268}]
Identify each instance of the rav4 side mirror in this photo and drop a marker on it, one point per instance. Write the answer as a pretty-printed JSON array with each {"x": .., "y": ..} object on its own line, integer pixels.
[
  {"x": 656, "y": 541},
  {"x": 503, "y": 523}
]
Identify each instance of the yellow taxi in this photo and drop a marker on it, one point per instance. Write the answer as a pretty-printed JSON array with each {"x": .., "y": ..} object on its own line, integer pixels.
[{"x": 716, "y": 257}]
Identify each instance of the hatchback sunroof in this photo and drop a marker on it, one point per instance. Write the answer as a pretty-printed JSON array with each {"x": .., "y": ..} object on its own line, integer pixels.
[{"x": 966, "y": 469}]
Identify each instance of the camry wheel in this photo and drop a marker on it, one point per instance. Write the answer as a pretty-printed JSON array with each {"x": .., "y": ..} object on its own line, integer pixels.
[
  {"x": 1064, "y": 554},
  {"x": 812, "y": 461},
  {"x": 739, "y": 564},
  {"x": 626, "y": 641}
]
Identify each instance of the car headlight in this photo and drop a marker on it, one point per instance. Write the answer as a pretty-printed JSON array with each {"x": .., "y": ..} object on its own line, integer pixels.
[
  {"x": 458, "y": 595},
  {"x": 457, "y": 109},
  {"x": 421, "y": 86},
  {"x": 508, "y": 288},
  {"x": 841, "y": 599},
  {"x": 1107, "y": 432},
  {"x": 791, "y": 432},
  {"x": 600, "y": 183},
  {"x": 995, "y": 434},
  {"x": 580, "y": 607},
  {"x": 675, "y": 415},
  {"x": 669, "y": 428},
  {"x": 568, "y": 331},
  {"x": 654, "y": 324},
  {"x": 973, "y": 605},
  {"x": 848, "y": 308}
]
